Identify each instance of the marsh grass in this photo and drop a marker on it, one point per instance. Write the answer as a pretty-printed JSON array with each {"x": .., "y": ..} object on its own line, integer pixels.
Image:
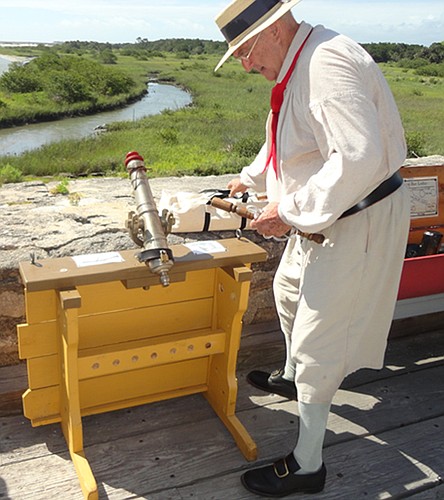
[
  {"x": 421, "y": 103},
  {"x": 223, "y": 129}
]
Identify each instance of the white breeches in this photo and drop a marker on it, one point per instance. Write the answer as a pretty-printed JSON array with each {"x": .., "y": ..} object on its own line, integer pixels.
[{"x": 336, "y": 300}]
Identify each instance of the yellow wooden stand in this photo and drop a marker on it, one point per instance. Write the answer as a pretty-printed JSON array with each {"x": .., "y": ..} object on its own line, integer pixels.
[{"x": 106, "y": 337}]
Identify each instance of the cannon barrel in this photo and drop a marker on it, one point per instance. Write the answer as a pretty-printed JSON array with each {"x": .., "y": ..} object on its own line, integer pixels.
[{"x": 146, "y": 227}]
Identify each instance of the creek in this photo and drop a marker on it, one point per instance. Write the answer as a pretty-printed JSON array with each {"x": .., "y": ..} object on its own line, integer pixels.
[{"x": 17, "y": 140}]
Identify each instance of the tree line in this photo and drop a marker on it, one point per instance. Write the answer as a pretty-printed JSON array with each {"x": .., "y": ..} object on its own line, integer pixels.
[
  {"x": 382, "y": 52},
  {"x": 425, "y": 60},
  {"x": 428, "y": 61}
]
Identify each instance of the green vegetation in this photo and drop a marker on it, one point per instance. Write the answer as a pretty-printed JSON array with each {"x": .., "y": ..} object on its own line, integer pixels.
[
  {"x": 224, "y": 128},
  {"x": 229, "y": 108},
  {"x": 61, "y": 188},
  {"x": 420, "y": 101},
  {"x": 9, "y": 174},
  {"x": 52, "y": 86}
]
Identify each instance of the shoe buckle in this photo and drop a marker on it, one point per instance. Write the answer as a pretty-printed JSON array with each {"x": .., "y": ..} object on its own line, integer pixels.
[{"x": 286, "y": 472}]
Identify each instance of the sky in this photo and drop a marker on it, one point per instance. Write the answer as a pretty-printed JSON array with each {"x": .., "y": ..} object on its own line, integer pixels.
[{"x": 114, "y": 21}]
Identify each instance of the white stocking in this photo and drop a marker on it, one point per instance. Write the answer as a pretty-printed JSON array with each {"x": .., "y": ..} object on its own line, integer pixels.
[
  {"x": 312, "y": 426},
  {"x": 290, "y": 367}
]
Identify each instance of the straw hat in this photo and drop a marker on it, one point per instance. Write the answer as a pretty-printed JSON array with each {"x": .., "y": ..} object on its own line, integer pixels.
[{"x": 243, "y": 19}]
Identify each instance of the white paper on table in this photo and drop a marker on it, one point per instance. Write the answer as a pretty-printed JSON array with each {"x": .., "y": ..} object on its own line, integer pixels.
[
  {"x": 97, "y": 259},
  {"x": 205, "y": 247}
]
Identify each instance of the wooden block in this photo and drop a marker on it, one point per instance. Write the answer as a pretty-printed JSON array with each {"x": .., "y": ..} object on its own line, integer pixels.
[
  {"x": 70, "y": 299},
  {"x": 43, "y": 371},
  {"x": 37, "y": 340},
  {"x": 42, "y": 406},
  {"x": 240, "y": 274},
  {"x": 41, "y": 306}
]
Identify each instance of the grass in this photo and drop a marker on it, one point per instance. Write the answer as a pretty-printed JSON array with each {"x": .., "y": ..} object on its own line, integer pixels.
[
  {"x": 215, "y": 134},
  {"x": 421, "y": 104}
]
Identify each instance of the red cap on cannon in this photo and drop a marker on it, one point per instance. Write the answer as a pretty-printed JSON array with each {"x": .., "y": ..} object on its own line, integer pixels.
[{"x": 132, "y": 155}]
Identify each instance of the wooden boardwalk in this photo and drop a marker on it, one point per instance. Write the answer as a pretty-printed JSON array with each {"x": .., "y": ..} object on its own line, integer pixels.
[{"x": 385, "y": 436}]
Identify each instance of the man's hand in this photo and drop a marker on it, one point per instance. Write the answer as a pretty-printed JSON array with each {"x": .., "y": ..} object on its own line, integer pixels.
[
  {"x": 269, "y": 223},
  {"x": 235, "y": 186}
]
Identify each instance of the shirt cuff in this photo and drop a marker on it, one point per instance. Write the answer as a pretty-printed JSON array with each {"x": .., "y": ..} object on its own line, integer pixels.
[{"x": 287, "y": 210}]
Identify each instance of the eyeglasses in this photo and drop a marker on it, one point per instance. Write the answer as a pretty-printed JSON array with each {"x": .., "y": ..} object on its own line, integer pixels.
[{"x": 247, "y": 57}]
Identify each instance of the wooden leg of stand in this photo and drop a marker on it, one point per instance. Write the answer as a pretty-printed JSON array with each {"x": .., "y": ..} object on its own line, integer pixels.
[
  {"x": 232, "y": 300},
  {"x": 69, "y": 391}
]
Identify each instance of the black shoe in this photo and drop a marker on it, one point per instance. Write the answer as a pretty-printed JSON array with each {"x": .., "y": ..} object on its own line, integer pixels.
[
  {"x": 279, "y": 480},
  {"x": 273, "y": 383}
]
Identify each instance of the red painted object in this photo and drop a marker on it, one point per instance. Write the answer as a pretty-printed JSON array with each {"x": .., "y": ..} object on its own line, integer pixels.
[{"x": 422, "y": 276}]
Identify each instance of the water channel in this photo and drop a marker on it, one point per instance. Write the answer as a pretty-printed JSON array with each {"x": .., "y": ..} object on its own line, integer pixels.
[{"x": 17, "y": 140}]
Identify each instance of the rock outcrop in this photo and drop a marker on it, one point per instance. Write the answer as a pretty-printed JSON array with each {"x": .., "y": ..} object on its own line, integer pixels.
[{"x": 90, "y": 218}]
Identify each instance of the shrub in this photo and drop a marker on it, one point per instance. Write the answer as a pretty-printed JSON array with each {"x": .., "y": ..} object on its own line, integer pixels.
[
  {"x": 115, "y": 83},
  {"x": 68, "y": 88},
  {"x": 20, "y": 79},
  {"x": 415, "y": 144},
  {"x": 436, "y": 70},
  {"x": 247, "y": 147},
  {"x": 67, "y": 78},
  {"x": 168, "y": 136},
  {"x": 107, "y": 57},
  {"x": 61, "y": 188},
  {"x": 9, "y": 174}
]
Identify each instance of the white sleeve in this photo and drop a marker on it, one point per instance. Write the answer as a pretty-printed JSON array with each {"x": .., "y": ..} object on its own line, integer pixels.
[{"x": 349, "y": 132}]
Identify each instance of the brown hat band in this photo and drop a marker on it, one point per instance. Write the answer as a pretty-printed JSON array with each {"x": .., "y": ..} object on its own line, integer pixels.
[{"x": 247, "y": 18}]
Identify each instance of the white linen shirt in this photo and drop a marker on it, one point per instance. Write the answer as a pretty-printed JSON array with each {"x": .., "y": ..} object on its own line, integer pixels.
[{"x": 339, "y": 132}]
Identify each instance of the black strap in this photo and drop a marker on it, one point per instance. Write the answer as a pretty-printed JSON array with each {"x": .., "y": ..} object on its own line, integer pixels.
[
  {"x": 221, "y": 193},
  {"x": 389, "y": 186}
]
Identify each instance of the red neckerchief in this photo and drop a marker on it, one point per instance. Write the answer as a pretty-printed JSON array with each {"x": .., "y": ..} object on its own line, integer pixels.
[{"x": 277, "y": 98}]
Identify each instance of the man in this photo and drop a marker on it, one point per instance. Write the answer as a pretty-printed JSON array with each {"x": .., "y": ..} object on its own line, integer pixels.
[{"x": 334, "y": 144}]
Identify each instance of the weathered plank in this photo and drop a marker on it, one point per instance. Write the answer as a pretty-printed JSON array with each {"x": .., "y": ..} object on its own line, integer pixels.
[
  {"x": 137, "y": 458},
  {"x": 432, "y": 493},
  {"x": 391, "y": 465},
  {"x": 51, "y": 476},
  {"x": 384, "y": 437},
  {"x": 374, "y": 407},
  {"x": 13, "y": 381}
]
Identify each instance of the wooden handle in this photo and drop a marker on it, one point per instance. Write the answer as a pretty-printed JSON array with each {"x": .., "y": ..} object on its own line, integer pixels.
[
  {"x": 231, "y": 207},
  {"x": 243, "y": 212}
]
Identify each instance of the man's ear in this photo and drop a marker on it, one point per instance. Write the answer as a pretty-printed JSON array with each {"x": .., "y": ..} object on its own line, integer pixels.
[{"x": 275, "y": 31}]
